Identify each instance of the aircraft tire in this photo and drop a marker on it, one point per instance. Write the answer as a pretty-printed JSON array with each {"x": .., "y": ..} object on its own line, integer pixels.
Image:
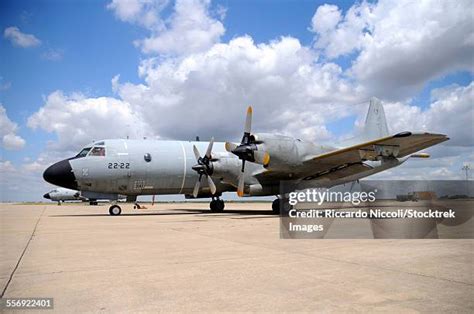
[
  {"x": 217, "y": 206},
  {"x": 115, "y": 210},
  {"x": 279, "y": 204},
  {"x": 276, "y": 206},
  {"x": 220, "y": 205}
]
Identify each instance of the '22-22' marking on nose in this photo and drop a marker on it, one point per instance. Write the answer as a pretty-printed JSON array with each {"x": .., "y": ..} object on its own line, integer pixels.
[{"x": 119, "y": 165}]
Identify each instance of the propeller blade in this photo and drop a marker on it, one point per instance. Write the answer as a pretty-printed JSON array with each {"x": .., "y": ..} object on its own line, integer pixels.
[
  {"x": 352, "y": 186},
  {"x": 248, "y": 120},
  {"x": 196, "y": 152},
  {"x": 243, "y": 166},
  {"x": 212, "y": 186},
  {"x": 262, "y": 158},
  {"x": 230, "y": 146},
  {"x": 197, "y": 186},
  {"x": 240, "y": 188},
  {"x": 209, "y": 148}
]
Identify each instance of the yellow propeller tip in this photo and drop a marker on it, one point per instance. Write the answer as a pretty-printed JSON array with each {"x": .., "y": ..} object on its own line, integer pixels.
[
  {"x": 240, "y": 193},
  {"x": 249, "y": 109}
]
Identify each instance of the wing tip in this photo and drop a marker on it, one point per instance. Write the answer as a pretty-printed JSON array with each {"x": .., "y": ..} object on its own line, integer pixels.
[
  {"x": 440, "y": 136},
  {"x": 420, "y": 155},
  {"x": 403, "y": 134}
]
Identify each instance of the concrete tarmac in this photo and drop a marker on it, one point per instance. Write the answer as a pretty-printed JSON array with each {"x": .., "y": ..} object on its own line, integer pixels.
[{"x": 182, "y": 258}]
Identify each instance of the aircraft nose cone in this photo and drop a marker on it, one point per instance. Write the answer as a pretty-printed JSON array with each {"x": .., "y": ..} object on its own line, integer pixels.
[
  {"x": 47, "y": 196},
  {"x": 61, "y": 174}
]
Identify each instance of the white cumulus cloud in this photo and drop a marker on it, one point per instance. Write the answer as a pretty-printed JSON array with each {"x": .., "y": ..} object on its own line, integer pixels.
[
  {"x": 8, "y": 129},
  {"x": 142, "y": 12},
  {"x": 20, "y": 39},
  {"x": 78, "y": 120},
  {"x": 451, "y": 112},
  {"x": 399, "y": 45},
  {"x": 190, "y": 29},
  {"x": 206, "y": 93}
]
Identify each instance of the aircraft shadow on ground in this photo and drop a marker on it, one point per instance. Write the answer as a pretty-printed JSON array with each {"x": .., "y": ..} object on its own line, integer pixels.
[{"x": 180, "y": 211}]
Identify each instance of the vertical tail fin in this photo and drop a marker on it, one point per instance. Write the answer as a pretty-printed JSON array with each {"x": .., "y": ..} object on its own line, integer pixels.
[{"x": 375, "y": 123}]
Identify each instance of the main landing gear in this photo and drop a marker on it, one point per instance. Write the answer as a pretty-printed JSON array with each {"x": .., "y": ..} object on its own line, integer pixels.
[
  {"x": 276, "y": 206},
  {"x": 280, "y": 203},
  {"x": 217, "y": 205}
]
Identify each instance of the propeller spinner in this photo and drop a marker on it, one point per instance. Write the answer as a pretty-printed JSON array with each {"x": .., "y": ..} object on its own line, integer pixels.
[
  {"x": 247, "y": 151},
  {"x": 204, "y": 167}
]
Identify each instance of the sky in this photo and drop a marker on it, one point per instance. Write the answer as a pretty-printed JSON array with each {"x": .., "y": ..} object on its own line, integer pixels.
[{"x": 76, "y": 71}]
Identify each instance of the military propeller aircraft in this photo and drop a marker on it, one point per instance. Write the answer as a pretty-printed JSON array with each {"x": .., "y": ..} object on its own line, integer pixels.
[
  {"x": 61, "y": 194},
  {"x": 254, "y": 167}
]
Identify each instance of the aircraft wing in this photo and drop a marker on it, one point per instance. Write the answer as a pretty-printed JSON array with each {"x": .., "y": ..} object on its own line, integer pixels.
[
  {"x": 398, "y": 145},
  {"x": 348, "y": 161}
]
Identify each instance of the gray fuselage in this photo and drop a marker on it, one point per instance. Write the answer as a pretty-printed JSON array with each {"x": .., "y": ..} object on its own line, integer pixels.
[{"x": 145, "y": 167}]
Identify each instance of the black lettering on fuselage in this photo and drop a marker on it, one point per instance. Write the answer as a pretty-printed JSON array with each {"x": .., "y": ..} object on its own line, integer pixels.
[{"x": 118, "y": 165}]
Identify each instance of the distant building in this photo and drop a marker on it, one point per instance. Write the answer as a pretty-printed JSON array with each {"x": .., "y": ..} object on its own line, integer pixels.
[{"x": 417, "y": 196}]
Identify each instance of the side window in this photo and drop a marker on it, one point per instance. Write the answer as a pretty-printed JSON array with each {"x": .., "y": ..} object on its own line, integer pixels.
[
  {"x": 97, "y": 151},
  {"x": 83, "y": 152},
  {"x": 147, "y": 157}
]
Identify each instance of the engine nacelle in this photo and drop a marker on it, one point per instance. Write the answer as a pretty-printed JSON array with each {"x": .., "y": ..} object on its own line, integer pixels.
[{"x": 283, "y": 150}]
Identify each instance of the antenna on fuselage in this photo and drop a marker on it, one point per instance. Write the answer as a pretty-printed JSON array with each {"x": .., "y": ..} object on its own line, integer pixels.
[{"x": 197, "y": 138}]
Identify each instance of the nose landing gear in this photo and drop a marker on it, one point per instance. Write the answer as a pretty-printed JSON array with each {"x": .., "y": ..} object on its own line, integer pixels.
[
  {"x": 217, "y": 205},
  {"x": 115, "y": 210}
]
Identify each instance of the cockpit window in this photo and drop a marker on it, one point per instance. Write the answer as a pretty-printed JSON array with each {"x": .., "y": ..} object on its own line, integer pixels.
[
  {"x": 83, "y": 152},
  {"x": 97, "y": 151}
]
